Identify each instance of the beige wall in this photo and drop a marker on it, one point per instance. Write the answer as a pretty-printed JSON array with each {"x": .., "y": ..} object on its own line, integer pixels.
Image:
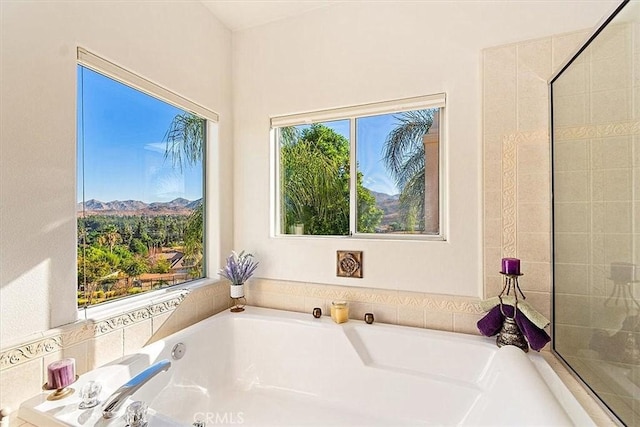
[
  {"x": 180, "y": 46},
  {"x": 345, "y": 55}
]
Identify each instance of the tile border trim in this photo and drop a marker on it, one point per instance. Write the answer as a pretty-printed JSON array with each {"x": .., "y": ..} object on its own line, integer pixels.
[
  {"x": 435, "y": 302},
  {"x": 598, "y": 131},
  {"x": 82, "y": 331}
]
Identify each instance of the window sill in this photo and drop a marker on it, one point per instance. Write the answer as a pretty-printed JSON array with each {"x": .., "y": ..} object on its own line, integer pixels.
[
  {"x": 137, "y": 302},
  {"x": 378, "y": 237}
]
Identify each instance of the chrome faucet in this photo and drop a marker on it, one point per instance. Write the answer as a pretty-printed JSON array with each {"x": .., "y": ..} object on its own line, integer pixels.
[{"x": 117, "y": 399}]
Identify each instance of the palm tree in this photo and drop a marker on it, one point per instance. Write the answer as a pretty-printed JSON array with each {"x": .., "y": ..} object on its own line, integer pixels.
[
  {"x": 404, "y": 157},
  {"x": 110, "y": 237},
  {"x": 185, "y": 140},
  {"x": 185, "y": 146}
]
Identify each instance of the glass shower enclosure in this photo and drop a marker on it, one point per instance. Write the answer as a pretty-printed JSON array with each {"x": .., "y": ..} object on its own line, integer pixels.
[{"x": 596, "y": 213}]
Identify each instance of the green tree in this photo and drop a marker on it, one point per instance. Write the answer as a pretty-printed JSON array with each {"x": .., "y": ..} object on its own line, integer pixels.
[
  {"x": 162, "y": 266},
  {"x": 194, "y": 242},
  {"x": 315, "y": 183},
  {"x": 135, "y": 266},
  {"x": 404, "y": 157},
  {"x": 95, "y": 265},
  {"x": 109, "y": 237}
]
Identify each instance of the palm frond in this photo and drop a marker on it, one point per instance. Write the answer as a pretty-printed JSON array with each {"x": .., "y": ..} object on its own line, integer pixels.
[
  {"x": 184, "y": 140},
  {"x": 406, "y": 138}
]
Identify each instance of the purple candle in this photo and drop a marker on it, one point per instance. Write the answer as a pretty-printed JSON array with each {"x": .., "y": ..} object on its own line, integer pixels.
[
  {"x": 61, "y": 373},
  {"x": 511, "y": 265}
]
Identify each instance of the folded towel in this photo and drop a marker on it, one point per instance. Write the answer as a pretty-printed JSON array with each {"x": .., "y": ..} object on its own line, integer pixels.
[
  {"x": 532, "y": 314},
  {"x": 491, "y": 324}
]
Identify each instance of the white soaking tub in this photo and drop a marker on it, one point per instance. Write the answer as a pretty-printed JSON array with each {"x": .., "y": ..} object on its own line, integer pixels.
[{"x": 267, "y": 367}]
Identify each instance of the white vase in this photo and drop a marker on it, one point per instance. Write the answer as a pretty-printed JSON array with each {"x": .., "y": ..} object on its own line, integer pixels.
[{"x": 237, "y": 291}]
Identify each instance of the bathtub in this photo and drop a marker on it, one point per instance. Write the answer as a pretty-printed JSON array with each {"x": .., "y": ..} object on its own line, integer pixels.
[{"x": 268, "y": 367}]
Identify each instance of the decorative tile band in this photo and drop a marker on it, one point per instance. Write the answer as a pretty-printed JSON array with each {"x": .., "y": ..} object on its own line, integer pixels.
[
  {"x": 509, "y": 193},
  {"x": 598, "y": 131},
  {"x": 83, "y": 331},
  {"x": 433, "y": 302},
  {"x": 510, "y": 185}
]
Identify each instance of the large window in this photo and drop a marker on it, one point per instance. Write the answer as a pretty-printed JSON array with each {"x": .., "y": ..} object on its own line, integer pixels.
[
  {"x": 371, "y": 170},
  {"x": 140, "y": 186}
]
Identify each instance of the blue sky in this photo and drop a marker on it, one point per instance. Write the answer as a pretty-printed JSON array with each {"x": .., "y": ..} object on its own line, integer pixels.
[
  {"x": 371, "y": 133},
  {"x": 123, "y": 145}
]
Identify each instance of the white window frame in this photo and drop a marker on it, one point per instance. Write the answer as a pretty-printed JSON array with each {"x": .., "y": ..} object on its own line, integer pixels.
[
  {"x": 109, "y": 69},
  {"x": 352, "y": 113}
]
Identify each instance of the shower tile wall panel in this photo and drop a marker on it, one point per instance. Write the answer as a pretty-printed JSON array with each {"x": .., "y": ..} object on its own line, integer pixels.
[
  {"x": 516, "y": 143},
  {"x": 597, "y": 169}
]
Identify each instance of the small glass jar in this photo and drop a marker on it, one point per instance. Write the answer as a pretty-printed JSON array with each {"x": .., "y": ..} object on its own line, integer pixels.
[{"x": 339, "y": 311}]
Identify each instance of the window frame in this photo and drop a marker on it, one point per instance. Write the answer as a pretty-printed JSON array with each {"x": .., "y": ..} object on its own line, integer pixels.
[
  {"x": 352, "y": 113},
  {"x": 210, "y": 155}
]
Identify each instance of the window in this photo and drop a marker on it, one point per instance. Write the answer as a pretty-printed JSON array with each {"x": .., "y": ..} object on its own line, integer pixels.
[
  {"x": 140, "y": 186},
  {"x": 370, "y": 170}
]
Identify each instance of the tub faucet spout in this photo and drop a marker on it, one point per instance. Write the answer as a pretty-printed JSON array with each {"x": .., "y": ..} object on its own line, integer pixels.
[{"x": 117, "y": 399}]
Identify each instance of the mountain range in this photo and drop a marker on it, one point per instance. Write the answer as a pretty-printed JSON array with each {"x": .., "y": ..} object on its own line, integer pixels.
[
  {"x": 177, "y": 206},
  {"x": 390, "y": 205}
]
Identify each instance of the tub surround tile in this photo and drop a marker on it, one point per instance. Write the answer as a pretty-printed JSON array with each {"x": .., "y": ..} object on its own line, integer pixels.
[
  {"x": 388, "y": 306},
  {"x": 385, "y": 314},
  {"x": 19, "y": 383},
  {"x": 158, "y": 321},
  {"x": 80, "y": 353},
  {"x": 312, "y": 302},
  {"x": 493, "y": 285},
  {"x": 442, "y": 321},
  {"x": 466, "y": 323},
  {"x": 412, "y": 316},
  {"x": 105, "y": 348},
  {"x": 357, "y": 310},
  {"x": 533, "y": 217},
  {"x": 137, "y": 335},
  {"x": 537, "y": 277},
  {"x": 534, "y": 246}
]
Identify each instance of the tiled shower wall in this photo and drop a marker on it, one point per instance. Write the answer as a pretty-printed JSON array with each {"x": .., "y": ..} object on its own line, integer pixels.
[
  {"x": 517, "y": 205},
  {"x": 597, "y": 212},
  {"x": 598, "y": 165}
]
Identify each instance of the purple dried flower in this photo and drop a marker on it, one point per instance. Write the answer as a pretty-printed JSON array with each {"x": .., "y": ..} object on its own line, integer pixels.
[{"x": 239, "y": 268}]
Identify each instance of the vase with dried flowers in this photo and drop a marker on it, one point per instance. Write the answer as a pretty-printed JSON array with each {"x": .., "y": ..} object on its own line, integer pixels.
[{"x": 238, "y": 269}]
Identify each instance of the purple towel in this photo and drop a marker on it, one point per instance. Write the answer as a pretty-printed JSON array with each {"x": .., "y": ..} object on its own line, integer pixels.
[{"x": 491, "y": 324}]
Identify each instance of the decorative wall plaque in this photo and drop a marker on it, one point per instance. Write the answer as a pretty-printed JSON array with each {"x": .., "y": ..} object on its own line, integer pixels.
[{"x": 349, "y": 264}]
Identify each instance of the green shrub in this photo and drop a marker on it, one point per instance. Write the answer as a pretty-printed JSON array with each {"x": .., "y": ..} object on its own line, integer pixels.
[{"x": 134, "y": 290}]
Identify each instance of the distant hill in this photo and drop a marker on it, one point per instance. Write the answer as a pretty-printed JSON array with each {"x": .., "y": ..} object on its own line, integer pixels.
[
  {"x": 390, "y": 205},
  {"x": 177, "y": 206}
]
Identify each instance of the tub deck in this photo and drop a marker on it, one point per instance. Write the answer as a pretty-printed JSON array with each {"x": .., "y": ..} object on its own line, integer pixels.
[{"x": 267, "y": 367}]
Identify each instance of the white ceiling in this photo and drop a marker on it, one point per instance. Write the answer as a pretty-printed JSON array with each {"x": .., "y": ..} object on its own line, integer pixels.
[{"x": 242, "y": 14}]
